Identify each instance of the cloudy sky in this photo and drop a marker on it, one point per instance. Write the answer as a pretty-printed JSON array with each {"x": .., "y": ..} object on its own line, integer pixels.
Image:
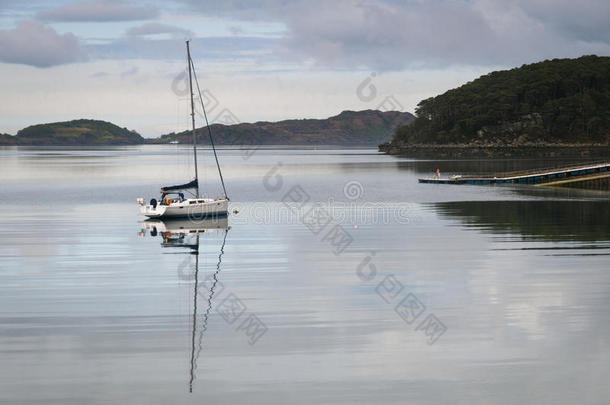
[{"x": 124, "y": 61}]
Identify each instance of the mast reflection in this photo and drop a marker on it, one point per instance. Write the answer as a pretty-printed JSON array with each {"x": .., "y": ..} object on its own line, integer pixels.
[{"x": 186, "y": 234}]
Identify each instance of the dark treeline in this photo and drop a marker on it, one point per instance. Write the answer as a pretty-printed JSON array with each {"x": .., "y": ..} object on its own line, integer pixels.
[{"x": 564, "y": 101}]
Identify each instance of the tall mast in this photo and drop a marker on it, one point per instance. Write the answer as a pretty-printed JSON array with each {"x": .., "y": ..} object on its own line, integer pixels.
[{"x": 188, "y": 55}]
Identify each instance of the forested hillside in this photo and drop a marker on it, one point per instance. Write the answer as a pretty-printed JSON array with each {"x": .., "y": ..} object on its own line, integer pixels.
[
  {"x": 559, "y": 101},
  {"x": 77, "y": 132},
  {"x": 368, "y": 127}
]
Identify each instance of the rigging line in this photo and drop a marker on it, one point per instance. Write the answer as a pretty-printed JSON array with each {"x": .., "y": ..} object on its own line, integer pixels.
[
  {"x": 224, "y": 189},
  {"x": 204, "y": 324}
]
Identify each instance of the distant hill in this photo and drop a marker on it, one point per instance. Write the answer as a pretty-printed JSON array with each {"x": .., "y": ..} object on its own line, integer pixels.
[
  {"x": 6, "y": 139},
  {"x": 559, "y": 101},
  {"x": 368, "y": 127},
  {"x": 76, "y": 132}
]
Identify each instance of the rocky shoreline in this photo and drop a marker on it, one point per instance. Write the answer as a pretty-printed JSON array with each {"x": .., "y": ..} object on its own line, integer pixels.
[{"x": 497, "y": 151}]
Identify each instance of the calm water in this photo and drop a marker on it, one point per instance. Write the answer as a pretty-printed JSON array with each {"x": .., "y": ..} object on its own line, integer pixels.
[{"x": 339, "y": 279}]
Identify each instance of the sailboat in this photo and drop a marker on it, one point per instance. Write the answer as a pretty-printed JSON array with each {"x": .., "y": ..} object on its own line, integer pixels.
[{"x": 173, "y": 203}]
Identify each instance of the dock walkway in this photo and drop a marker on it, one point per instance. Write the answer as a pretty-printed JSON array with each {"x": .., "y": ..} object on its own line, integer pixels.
[{"x": 537, "y": 176}]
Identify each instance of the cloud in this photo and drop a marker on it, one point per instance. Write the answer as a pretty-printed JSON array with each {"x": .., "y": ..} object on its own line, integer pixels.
[
  {"x": 352, "y": 34},
  {"x": 158, "y": 28},
  {"x": 98, "y": 11},
  {"x": 587, "y": 21},
  {"x": 381, "y": 35},
  {"x": 244, "y": 10},
  {"x": 393, "y": 35},
  {"x": 35, "y": 44},
  {"x": 209, "y": 48},
  {"x": 399, "y": 34}
]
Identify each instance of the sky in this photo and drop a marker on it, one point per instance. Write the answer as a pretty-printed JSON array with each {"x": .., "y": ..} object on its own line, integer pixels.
[{"x": 268, "y": 60}]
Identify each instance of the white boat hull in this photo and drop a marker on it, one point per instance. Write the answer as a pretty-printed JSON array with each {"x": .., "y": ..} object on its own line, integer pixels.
[{"x": 194, "y": 208}]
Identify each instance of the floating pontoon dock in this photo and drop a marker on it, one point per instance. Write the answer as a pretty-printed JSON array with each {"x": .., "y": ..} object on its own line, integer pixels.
[{"x": 536, "y": 176}]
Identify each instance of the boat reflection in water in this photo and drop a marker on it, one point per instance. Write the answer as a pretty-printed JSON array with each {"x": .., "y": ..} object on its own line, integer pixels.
[
  {"x": 175, "y": 231},
  {"x": 186, "y": 234}
]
